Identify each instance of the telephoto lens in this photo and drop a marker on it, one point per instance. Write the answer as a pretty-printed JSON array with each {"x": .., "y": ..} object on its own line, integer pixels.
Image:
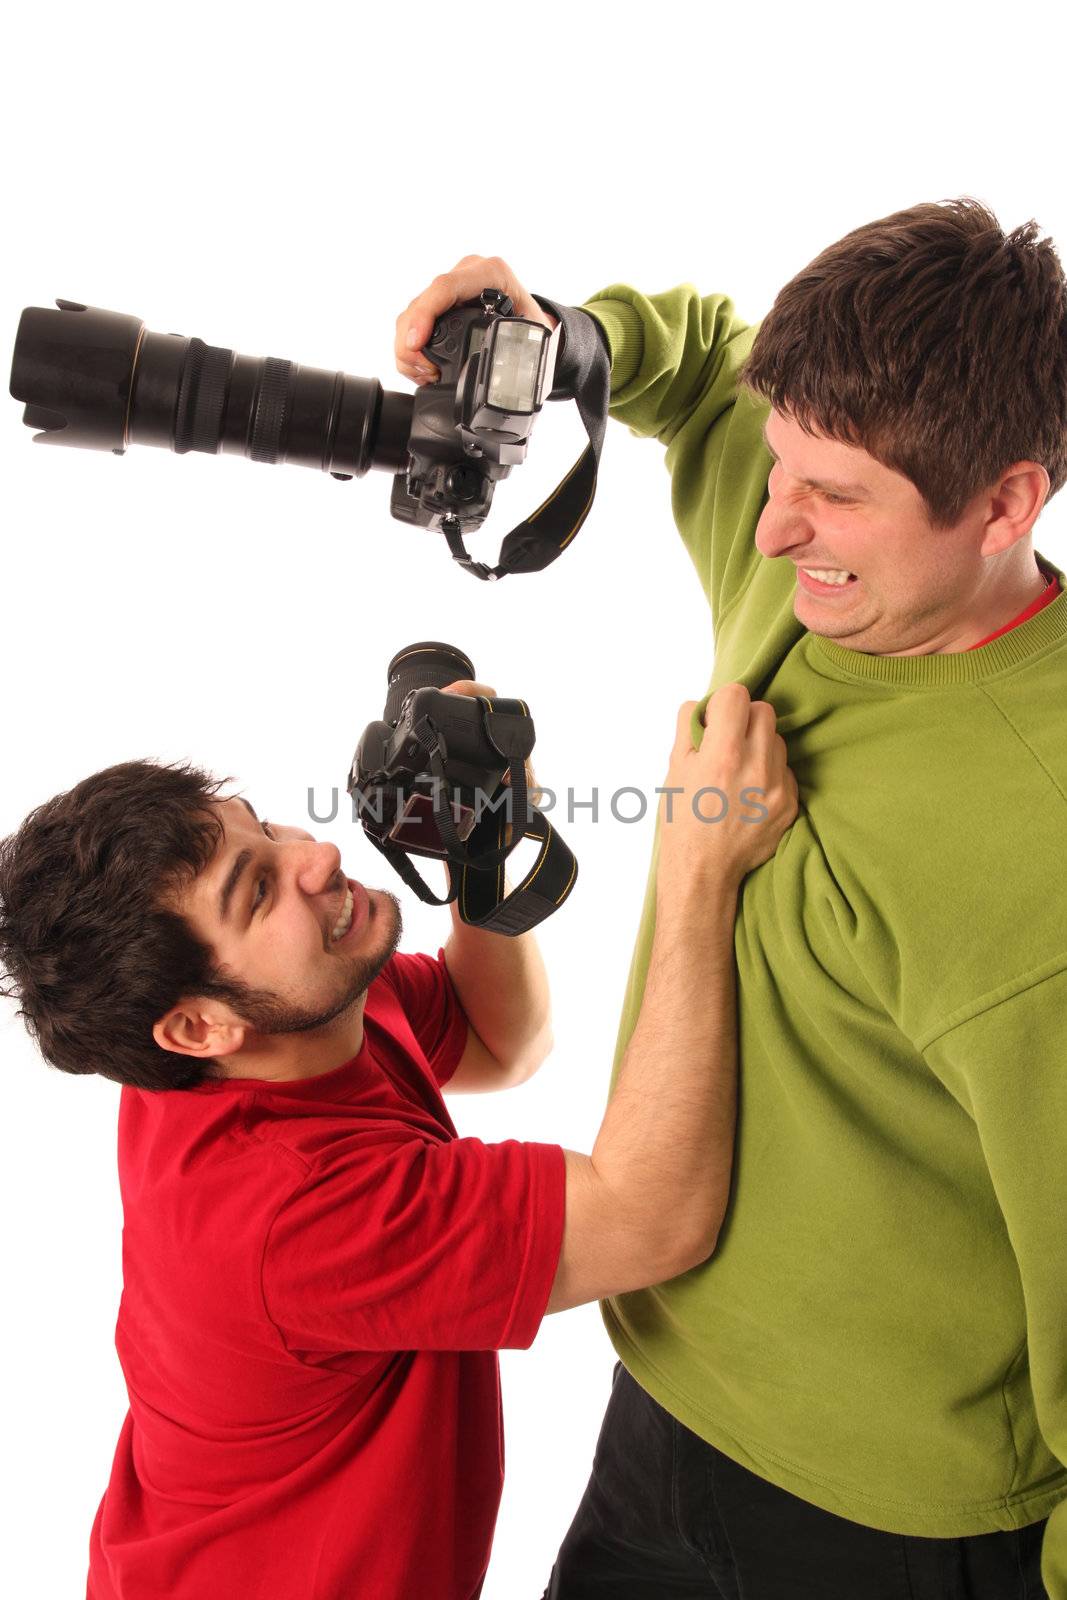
[{"x": 102, "y": 381}]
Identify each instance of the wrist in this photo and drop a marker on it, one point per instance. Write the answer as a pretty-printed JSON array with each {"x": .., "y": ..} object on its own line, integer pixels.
[{"x": 698, "y": 897}]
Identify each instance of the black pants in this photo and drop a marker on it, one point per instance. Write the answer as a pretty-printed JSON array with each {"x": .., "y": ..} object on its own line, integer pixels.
[{"x": 668, "y": 1517}]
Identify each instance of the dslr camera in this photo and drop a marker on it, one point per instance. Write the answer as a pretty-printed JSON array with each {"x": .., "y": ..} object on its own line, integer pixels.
[
  {"x": 444, "y": 775},
  {"x": 100, "y": 380}
]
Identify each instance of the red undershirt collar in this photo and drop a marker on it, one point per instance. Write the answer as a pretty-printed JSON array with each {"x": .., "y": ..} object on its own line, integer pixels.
[{"x": 1046, "y": 597}]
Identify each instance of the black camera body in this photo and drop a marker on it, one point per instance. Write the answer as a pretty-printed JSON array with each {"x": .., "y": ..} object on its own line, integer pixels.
[
  {"x": 473, "y": 425},
  {"x": 444, "y": 775},
  {"x": 396, "y": 791},
  {"x": 433, "y": 749}
]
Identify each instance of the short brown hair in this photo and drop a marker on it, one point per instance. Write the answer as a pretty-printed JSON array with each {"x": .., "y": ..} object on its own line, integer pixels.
[
  {"x": 933, "y": 341},
  {"x": 88, "y": 946}
]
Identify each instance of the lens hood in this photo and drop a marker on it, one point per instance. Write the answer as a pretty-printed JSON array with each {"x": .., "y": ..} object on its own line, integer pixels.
[{"x": 74, "y": 367}]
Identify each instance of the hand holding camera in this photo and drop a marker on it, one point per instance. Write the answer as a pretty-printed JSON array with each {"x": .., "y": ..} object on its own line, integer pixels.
[
  {"x": 415, "y": 324},
  {"x": 467, "y": 686}
]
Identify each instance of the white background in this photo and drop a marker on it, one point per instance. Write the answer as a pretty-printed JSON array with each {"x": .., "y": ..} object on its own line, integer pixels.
[{"x": 282, "y": 180}]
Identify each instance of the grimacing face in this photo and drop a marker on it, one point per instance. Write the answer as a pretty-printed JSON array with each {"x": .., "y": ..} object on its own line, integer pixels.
[
  {"x": 283, "y": 919},
  {"x": 912, "y": 588}
]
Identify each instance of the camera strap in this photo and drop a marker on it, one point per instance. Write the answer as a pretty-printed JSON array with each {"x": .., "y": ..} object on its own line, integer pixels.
[
  {"x": 542, "y": 891},
  {"x": 476, "y": 869},
  {"x": 583, "y": 374}
]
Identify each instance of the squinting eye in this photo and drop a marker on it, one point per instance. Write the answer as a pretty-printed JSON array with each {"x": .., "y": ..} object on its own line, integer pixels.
[
  {"x": 836, "y": 500},
  {"x": 261, "y": 894}
]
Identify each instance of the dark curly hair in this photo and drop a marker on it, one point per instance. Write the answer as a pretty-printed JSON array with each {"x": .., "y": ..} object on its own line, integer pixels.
[
  {"x": 89, "y": 948},
  {"x": 934, "y": 341}
]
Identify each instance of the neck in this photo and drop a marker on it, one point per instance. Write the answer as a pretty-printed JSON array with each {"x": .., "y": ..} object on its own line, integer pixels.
[
  {"x": 994, "y": 604},
  {"x": 281, "y": 1056}
]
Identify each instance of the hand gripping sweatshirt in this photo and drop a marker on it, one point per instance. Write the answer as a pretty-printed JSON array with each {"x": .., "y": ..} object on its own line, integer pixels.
[{"x": 883, "y": 1327}]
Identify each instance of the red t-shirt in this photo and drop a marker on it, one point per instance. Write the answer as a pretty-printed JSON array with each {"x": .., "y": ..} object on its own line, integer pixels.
[{"x": 316, "y": 1273}]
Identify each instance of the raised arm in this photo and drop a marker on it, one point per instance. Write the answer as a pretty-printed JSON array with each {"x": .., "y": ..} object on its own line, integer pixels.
[
  {"x": 676, "y": 359},
  {"x": 648, "y": 1203},
  {"x": 671, "y": 353}
]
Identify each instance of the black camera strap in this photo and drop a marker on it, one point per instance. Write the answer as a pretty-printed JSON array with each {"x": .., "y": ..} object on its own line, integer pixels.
[
  {"x": 544, "y": 888},
  {"x": 583, "y": 374},
  {"x": 480, "y": 888}
]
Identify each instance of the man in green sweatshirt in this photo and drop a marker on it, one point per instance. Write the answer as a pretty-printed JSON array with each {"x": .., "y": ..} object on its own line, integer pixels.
[{"x": 863, "y": 1395}]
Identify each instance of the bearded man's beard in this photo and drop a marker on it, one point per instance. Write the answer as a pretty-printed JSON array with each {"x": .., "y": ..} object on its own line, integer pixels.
[{"x": 268, "y": 1013}]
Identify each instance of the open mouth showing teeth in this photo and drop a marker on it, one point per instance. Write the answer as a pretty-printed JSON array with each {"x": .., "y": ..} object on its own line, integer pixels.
[
  {"x": 344, "y": 921},
  {"x": 831, "y": 575}
]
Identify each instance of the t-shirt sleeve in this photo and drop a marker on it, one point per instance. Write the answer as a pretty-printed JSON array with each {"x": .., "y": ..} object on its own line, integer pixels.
[
  {"x": 431, "y": 1005},
  {"x": 1007, "y": 1066},
  {"x": 406, "y": 1244}
]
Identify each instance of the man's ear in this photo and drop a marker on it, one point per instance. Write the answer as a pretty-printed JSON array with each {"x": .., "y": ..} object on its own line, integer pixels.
[
  {"x": 1015, "y": 504},
  {"x": 200, "y": 1028}
]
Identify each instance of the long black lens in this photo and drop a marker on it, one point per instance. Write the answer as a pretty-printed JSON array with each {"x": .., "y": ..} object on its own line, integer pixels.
[
  {"x": 429, "y": 665},
  {"x": 99, "y": 380}
]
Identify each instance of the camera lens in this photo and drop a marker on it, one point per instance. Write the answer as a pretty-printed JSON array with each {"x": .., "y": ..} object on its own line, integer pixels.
[
  {"x": 99, "y": 380},
  {"x": 428, "y": 665}
]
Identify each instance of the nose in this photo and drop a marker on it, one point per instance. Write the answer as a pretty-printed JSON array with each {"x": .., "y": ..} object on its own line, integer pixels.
[
  {"x": 317, "y": 865},
  {"x": 781, "y": 527}
]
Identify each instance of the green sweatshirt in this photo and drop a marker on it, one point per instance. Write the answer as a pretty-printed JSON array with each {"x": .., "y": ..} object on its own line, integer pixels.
[{"x": 883, "y": 1327}]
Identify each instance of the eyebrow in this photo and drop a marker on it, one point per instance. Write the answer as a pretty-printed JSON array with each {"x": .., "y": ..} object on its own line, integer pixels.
[
  {"x": 239, "y": 867},
  {"x": 233, "y": 879},
  {"x": 855, "y": 489}
]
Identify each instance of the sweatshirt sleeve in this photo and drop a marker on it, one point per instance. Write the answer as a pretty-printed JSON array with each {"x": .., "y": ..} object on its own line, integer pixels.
[
  {"x": 675, "y": 360},
  {"x": 1007, "y": 1066}
]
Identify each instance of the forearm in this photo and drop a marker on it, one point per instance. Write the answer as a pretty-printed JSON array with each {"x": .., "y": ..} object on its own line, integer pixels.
[
  {"x": 503, "y": 988},
  {"x": 665, "y": 1147},
  {"x": 649, "y": 1201}
]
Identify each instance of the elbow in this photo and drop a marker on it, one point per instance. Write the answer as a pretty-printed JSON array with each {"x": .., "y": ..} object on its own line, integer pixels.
[
  {"x": 700, "y": 1250},
  {"x": 692, "y": 1243},
  {"x": 535, "y": 1053},
  {"x": 543, "y": 1047},
  {"x": 669, "y": 1230},
  {"x": 660, "y": 1259}
]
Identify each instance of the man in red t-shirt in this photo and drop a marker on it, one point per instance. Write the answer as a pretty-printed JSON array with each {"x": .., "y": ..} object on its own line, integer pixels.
[{"x": 317, "y": 1270}]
